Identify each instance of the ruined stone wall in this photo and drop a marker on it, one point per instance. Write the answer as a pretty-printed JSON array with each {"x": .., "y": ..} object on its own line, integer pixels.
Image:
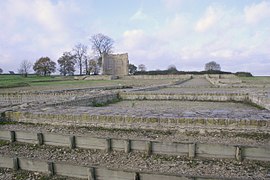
[
  {"x": 223, "y": 80},
  {"x": 171, "y": 76},
  {"x": 130, "y": 122},
  {"x": 115, "y": 64}
]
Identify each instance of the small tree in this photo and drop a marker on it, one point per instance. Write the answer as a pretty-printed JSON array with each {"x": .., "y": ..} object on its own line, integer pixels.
[
  {"x": 67, "y": 64},
  {"x": 212, "y": 66},
  {"x": 80, "y": 52},
  {"x": 93, "y": 67},
  {"x": 142, "y": 67},
  {"x": 1, "y": 71},
  {"x": 172, "y": 68},
  {"x": 25, "y": 68},
  {"x": 132, "y": 68},
  {"x": 101, "y": 44},
  {"x": 44, "y": 66}
]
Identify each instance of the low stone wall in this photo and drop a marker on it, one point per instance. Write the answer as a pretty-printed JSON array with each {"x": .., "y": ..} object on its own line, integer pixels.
[
  {"x": 94, "y": 77},
  {"x": 161, "y": 86},
  {"x": 50, "y": 96},
  {"x": 90, "y": 101},
  {"x": 18, "y": 98},
  {"x": 223, "y": 80},
  {"x": 260, "y": 100},
  {"x": 188, "y": 76},
  {"x": 189, "y": 149},
  {"x": 219, "y": 97},
  {"x": 131, "y": 122}
]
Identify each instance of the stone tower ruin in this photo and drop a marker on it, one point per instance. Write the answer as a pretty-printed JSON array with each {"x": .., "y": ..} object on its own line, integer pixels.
[{"x": 115, "y": 64}]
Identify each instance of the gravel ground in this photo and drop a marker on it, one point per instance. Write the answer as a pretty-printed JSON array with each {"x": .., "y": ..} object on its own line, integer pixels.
[
  {"x": 198, "y": 82},
  {"x": 140, "y": 162},
  {"x": 90, "y": 84},
  {"x": 175, "y": 90},
  {"x": 222, "y": 137}
]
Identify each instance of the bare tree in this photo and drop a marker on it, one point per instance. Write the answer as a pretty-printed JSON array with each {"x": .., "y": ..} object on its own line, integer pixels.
[
  {"x": 212, "y": 66},
  {"x": 1, "y": 71},
  {"x": 80, "y": 53},
  {"x": 142, "y": 67},
  {"x": 101, "y": 44},
  {"x": 25, "y": 68}
]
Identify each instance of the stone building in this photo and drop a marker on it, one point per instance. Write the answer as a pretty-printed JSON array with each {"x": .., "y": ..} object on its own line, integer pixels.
[{"x": 115, "y": 64}]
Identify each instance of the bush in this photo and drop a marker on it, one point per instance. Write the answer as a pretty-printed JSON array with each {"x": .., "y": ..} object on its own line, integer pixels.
[{"x": 243, "y": 74}]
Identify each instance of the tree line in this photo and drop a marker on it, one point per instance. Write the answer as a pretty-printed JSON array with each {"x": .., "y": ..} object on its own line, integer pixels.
[{"x": 78, "y": 56}]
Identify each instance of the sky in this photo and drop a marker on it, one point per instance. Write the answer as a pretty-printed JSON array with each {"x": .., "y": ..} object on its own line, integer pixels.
[{"x": 157, "y": 33}]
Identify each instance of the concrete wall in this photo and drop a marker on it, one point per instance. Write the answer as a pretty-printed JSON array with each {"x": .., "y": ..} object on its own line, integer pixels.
[
  {"x": 33, "y": 165},
  {"x": 91, "y": 173},
  {"x": 87, "y": 172},
  {"x": 6, "y": 162},
  {"x": 189, "y": 149}
]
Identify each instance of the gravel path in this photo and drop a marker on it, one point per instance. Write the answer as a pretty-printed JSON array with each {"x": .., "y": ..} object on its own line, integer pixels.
[
  {"x": 140, "y": 162},
  {"x": 196, "y": 82}
]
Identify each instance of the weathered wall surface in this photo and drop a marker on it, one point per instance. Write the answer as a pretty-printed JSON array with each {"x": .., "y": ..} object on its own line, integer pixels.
[
  {"x": 128, "y": 122},
  {"x": 94, "y": 77},
  {"x": 219, "y": 97},
  {"x": 223, "y": 80},
  {"x": 115, "y": 64},
  {"x": 158, "y": 77},
  {"x": 90, "y": 101},
  {"x": 262, "y": 101},
  {"x": 52, "y": 97}
]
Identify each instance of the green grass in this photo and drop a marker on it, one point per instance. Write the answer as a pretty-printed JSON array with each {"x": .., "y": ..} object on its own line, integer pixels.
[
  {"x": 34, "y": 82},
  {"x": 256, "y": 80},
  {"x": 11, "y": 81}
]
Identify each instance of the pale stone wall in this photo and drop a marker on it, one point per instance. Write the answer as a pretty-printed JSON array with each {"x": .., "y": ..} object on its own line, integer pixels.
[
  {"x": 171, "y": 76},
  {"x": 115, "y": 64},
  {"x": 130, "y": 122}
]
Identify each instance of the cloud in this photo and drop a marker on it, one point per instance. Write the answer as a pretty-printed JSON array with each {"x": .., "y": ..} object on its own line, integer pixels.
[
  {"x": 175, "y": 28},
  {"x": 35, "y": 28},
  {"x": 209, "y": 19},
  {"x": 257, "y": 12},
  {"x": 172, "y": 4},
  {"x": 139, "y": 15}
]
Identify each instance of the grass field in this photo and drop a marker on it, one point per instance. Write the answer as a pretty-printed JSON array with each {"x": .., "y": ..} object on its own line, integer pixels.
[
  {"x": 9, "y": 81},
  {"x": 37, "y": 83},
  {"x": 256, "y": 80}
]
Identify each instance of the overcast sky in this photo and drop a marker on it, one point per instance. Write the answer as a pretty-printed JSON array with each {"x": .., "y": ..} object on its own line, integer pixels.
[{"x": 157, "y": 33}]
